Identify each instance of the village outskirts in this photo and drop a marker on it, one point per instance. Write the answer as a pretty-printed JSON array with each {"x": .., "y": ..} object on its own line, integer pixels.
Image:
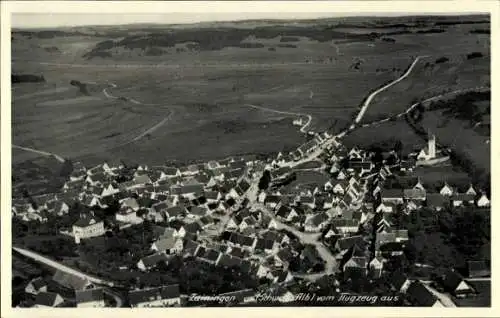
[{"x": 326, "y": 219}]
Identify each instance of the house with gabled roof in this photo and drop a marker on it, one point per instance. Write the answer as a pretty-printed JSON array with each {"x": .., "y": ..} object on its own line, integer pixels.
[
  {"x": 355, "y": 264},
  {"x": 483, "y": 201},
  {"x": 48, "y": 299},
  {"x": 436, "y": 201},
  {"x": 127, "y": 215},
  {"x": 58, "y": 207},
  {"x": 87, "y": 226},
  {"x": 316, "y": 222},
  {"x": 345, "y": 226},
  {"x": 344, "y": 244},
  {"x": 446, "y": 190},
  {"x": 478, "y": 269},
  {"x": 399, "y": 282},
  {"x": 459, "y": 199},
  {"x": 168, "y": 245},
  {"x": 376, "y": 266},
  {"x": 283, "y": 258},
  {"x": 455, "y": 284},
  {"x": 419, "y": 295},
  {"x": 391, "y": 196},
  {"x": 470, "y": 190},
  {"x": 35, "y": 286},
  {"x": 164, "y": 296},
  {"x": 90, "y": 298},
  {"x": 286, "y": 213},
  {"x": 71, "y": 281},
  {"x": 248, "y": 222}
]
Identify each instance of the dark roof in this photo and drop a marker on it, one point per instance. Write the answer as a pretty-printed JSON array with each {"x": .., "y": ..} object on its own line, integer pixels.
[
  {"x": 436, "y": 200},
  {"x": 419, "y": 295},
  {"x": 318, "y": 219},
  {"x": 263, "y": 244},
  {"x": 283, "y": 211},
  {"x": 46, "y": 298},
  {"x": 349, "y": 242},
  {"x": 151, "y": 294},
  {"x": 244, "y": 185},
  {"x": 398, "y": 279},
  {"x": 192, "y": 227},
  {"x": 38, "y": 283},
  {"x": 237, "y": 252},
  {"x": 391, "y": 193},
  {"x": 89, "y": 295},
  {"x": 451, "y": 280},
  {"x": 198, "y": 210},
  {"x": 192, "y": 188},
  {"x": 229, "y": 261},
  {"x": 478, "y": 269},
  {"x": 285, "y": 254},
  {"x": 70, "y": 281},
  {"x": 462, "y": 197},
  {"x": 236, "y": 238},
  {"x": 175, "y": 210},
  {"x": 154, "y": 259}
]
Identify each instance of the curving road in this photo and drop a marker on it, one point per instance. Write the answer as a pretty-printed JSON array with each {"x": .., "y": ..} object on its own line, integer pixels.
[
  {"x": 302, "y": 129},
  {"x": 40, "y": 152},
  {"x": 480, "y": 88},
  {"x": 364, "y": 108},
  {"x": 358, "y": 118},
  {"x": 147, "y": 131},
  {"x": 56, "y": 265},
  {"x": 306, "y": 238}
]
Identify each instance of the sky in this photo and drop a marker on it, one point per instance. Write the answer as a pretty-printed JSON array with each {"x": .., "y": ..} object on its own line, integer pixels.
[
  {"x": 33, "y": 20},
  {"x": 46, "y": 20}
]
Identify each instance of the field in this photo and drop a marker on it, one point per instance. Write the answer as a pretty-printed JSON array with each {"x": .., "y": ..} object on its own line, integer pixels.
[
  {"x": 430, "y": 78},
  {"x": 386, "y": 132},
  {"x": 190, "y": 104},
  {"x": 459, "y": 135}
]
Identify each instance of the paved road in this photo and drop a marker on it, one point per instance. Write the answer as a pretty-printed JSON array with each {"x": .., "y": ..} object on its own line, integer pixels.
[
  {"x": 307, "y": 238},
  {"x": 47, "y": 261},
  {"x": 372, "y": 95},
  {"x": 302, "y": 129},
  {"x": 45, "y": 153},
  {"x": 480, "y": 88}
]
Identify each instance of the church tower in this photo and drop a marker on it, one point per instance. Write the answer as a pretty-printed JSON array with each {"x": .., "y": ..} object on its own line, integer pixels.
[{"x": 432, "y": 146}]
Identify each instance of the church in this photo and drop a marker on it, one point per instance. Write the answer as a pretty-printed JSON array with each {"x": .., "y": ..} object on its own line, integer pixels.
[{"x": 428, "y": 152}]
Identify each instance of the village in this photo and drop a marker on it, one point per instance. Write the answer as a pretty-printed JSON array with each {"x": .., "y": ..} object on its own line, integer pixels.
[{"x": 251, "y": 217}]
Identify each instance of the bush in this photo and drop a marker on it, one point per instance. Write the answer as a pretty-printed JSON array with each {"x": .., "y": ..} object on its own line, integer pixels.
[
  {"x": 474, "y": 55},
  {"x": 442, "y": 60}
]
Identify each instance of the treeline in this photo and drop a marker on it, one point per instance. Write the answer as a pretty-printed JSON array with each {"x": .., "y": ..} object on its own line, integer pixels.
[
  {"x": 457, "y": 22},
  {"x": 480, "y": 31},
  {"x": 49, "y": 34},
  {"x": 26, "y": 78},
  {"x": 217, "y": 39},
  {"x": 463, "y": 106},
  {"x": 431, "y": 31},
  {"x": 474, "y": 55}
]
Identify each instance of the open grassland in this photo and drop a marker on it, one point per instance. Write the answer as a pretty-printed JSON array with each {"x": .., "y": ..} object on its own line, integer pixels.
[
  {"x": 186, "y": 102},
  {"x": 459, "y": 135},
  {"x": 429, "y": 77},
  {"x": 387, "y": 132}
]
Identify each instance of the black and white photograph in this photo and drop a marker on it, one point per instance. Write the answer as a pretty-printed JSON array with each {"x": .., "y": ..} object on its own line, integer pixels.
[{"x": 249, "y": 159}]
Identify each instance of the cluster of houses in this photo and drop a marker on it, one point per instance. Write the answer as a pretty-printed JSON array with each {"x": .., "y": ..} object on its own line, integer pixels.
[{"x": 203, "y": 211}]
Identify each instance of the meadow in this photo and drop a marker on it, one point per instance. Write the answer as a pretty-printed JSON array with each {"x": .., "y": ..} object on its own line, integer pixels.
[{"x": 190, "y": 104}]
